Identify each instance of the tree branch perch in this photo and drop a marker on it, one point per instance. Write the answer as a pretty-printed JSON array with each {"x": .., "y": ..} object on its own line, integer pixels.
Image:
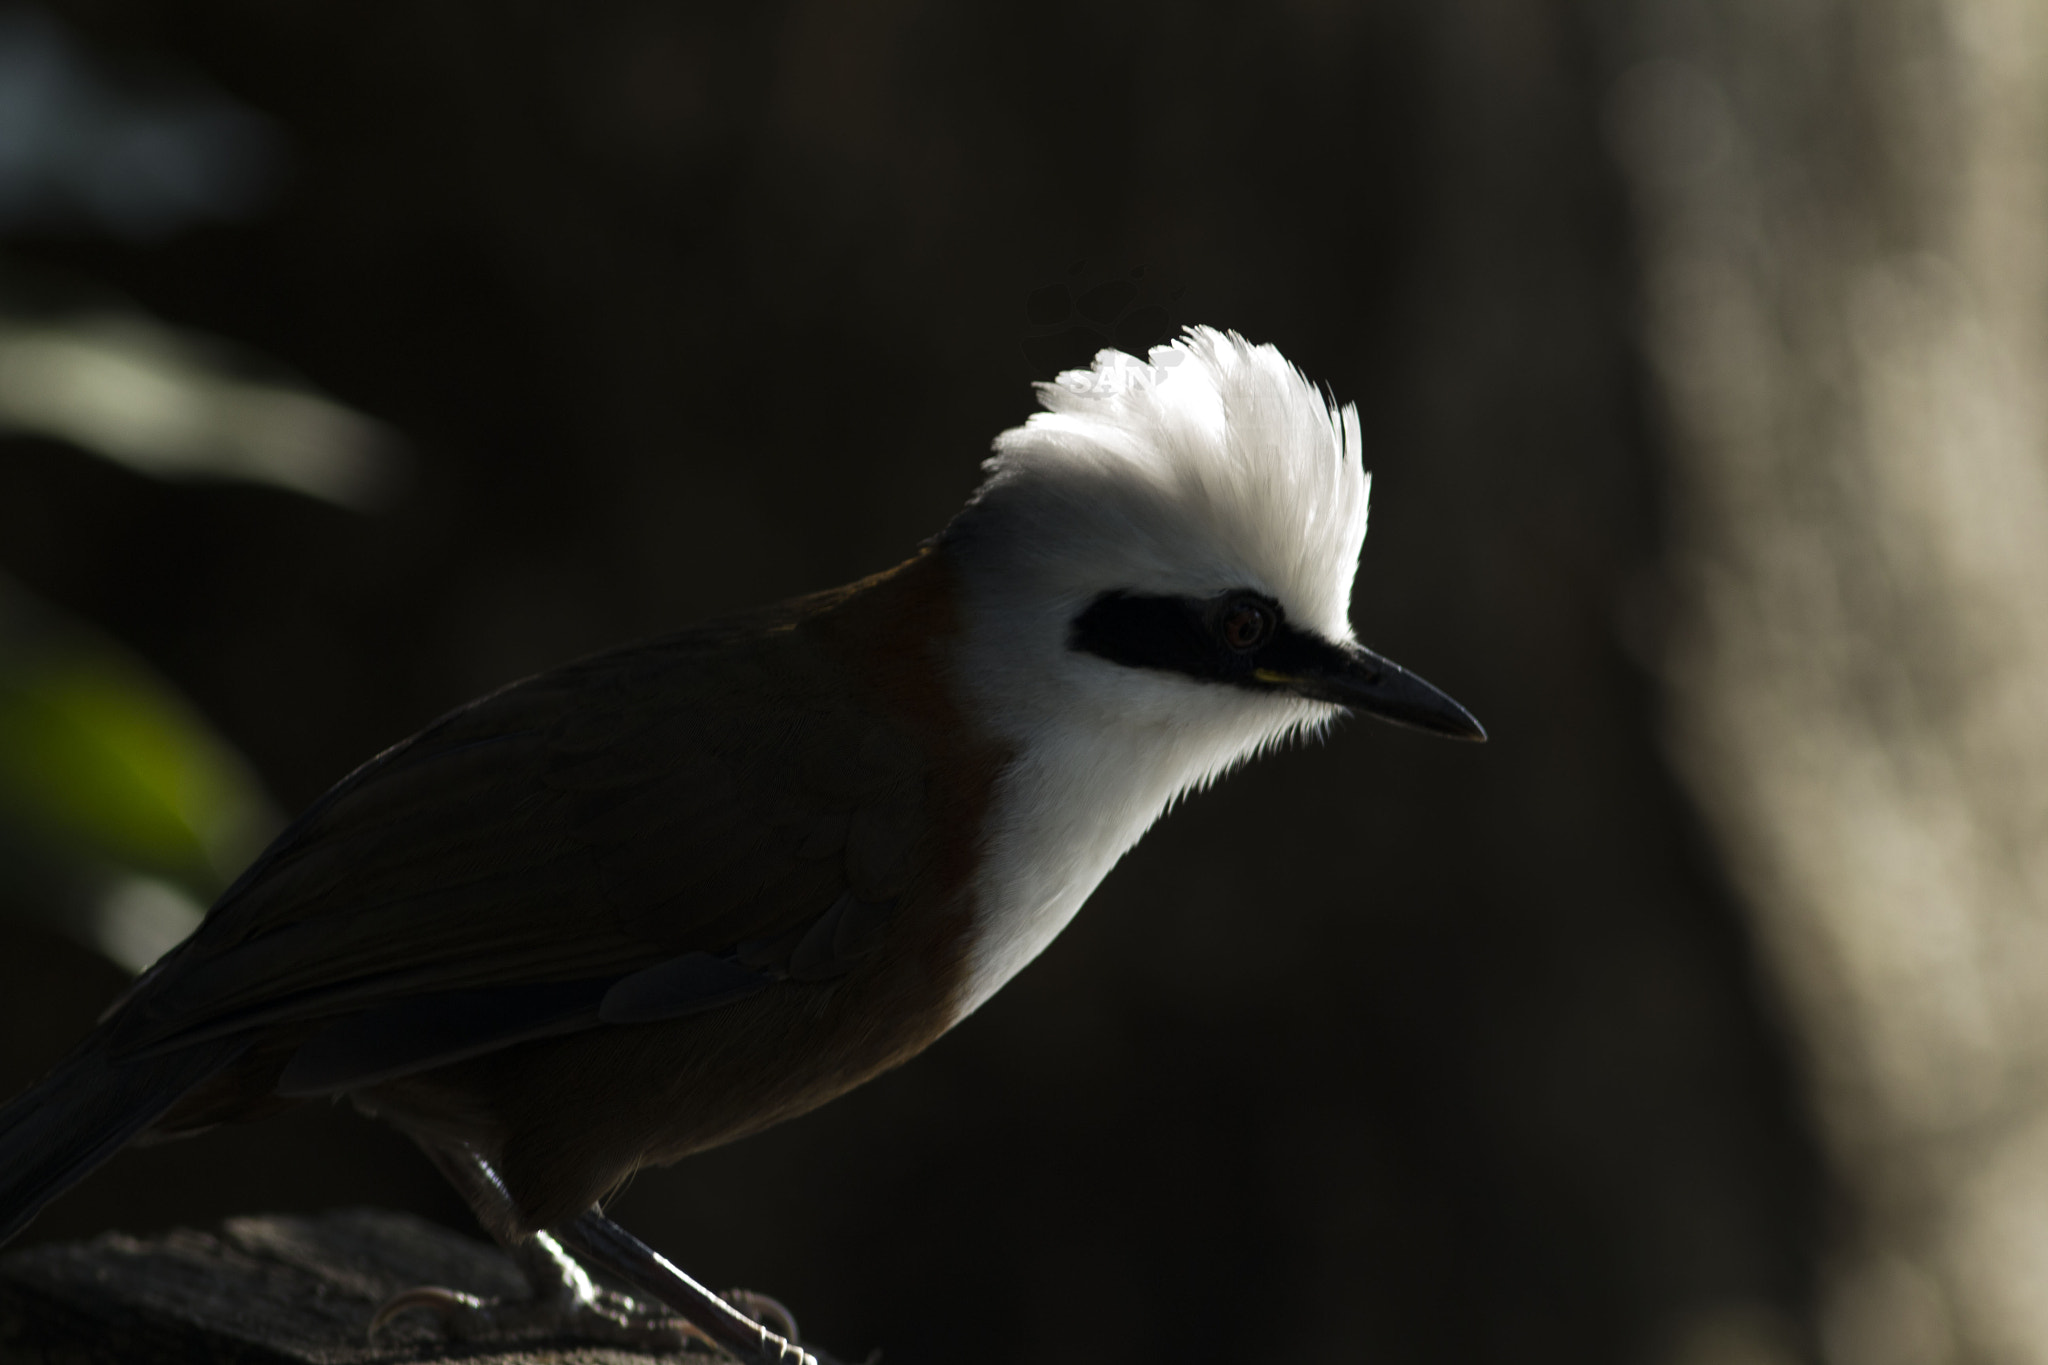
[{"x": 273, "y": 1290}]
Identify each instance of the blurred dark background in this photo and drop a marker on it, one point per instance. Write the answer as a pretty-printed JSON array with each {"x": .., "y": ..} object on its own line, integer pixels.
[{"x": 619, "y": 315}]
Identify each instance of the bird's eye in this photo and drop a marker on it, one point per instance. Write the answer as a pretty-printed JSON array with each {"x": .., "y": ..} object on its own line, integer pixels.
[{"x": 1247, "y": 625}]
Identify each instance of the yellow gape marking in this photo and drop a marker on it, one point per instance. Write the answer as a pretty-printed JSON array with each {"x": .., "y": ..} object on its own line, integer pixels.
[{"x": 1267, "y": 675}]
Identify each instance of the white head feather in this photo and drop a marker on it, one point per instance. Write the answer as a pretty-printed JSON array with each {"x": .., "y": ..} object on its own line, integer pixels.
[{"x": 1213, "y": 465}]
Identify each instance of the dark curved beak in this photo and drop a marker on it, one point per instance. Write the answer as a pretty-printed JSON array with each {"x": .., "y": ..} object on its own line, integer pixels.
[{"x": 1353, "y": 676}]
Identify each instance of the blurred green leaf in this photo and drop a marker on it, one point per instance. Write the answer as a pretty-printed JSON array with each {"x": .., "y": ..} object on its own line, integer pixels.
[
  {"x": 100, "y": 753},
  {"x": 119, "y": 805}
]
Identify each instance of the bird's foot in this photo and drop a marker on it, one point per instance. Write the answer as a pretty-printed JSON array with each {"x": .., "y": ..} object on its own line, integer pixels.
[
  {"x": 567, "y": 1304},
  {"x": 603, "y": 1319},
  {"x": 736, "y": 1321}
]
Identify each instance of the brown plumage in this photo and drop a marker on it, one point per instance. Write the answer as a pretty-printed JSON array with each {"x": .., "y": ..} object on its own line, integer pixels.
[{"x": 765, "y": 786}]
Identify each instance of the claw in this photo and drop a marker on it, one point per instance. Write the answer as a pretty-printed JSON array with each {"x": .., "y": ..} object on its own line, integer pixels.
[
  {"x": 761, "y": 1309},
  {"x": 456, "y": 1309}
]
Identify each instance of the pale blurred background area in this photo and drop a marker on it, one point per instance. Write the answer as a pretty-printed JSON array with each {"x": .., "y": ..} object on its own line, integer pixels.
[{"x": 355, "y": 359}]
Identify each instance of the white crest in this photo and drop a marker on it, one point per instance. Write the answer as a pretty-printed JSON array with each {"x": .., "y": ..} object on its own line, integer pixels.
[
  {"x": 1213, "y": 464},
  {"x": 1209, "y": 466}
]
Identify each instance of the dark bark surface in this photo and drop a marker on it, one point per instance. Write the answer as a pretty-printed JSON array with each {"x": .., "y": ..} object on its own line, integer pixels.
[{"x": 278, "y": 1290}]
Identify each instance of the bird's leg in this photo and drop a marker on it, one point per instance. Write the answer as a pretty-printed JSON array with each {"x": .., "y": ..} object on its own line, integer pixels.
[
  {"x": 564, "y": 1301},
  {"x": 610, "y": 1247}
]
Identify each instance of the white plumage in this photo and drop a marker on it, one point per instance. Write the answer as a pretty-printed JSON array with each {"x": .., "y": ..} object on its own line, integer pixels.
[{"x": 1210, "y": 466}]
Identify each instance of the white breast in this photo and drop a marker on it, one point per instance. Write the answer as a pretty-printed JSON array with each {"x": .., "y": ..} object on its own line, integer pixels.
[{"x": 1077, "y": 798}]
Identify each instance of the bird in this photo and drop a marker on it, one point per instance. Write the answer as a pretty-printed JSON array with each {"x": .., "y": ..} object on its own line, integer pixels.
[{"x": 667, "y": 896}]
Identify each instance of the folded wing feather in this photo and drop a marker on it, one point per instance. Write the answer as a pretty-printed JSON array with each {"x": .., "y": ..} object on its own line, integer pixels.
[{"x": 639, "y": 836}]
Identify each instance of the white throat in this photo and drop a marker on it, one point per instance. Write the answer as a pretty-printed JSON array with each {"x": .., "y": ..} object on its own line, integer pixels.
[{"x": 1079, "y": 794}]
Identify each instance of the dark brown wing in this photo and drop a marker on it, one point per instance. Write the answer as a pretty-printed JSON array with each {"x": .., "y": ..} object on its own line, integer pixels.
[{"x": 646, "y": 833}]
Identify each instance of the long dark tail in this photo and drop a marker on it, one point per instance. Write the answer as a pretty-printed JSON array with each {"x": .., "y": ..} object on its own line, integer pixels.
[{"x": 54, "y": 1134}]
